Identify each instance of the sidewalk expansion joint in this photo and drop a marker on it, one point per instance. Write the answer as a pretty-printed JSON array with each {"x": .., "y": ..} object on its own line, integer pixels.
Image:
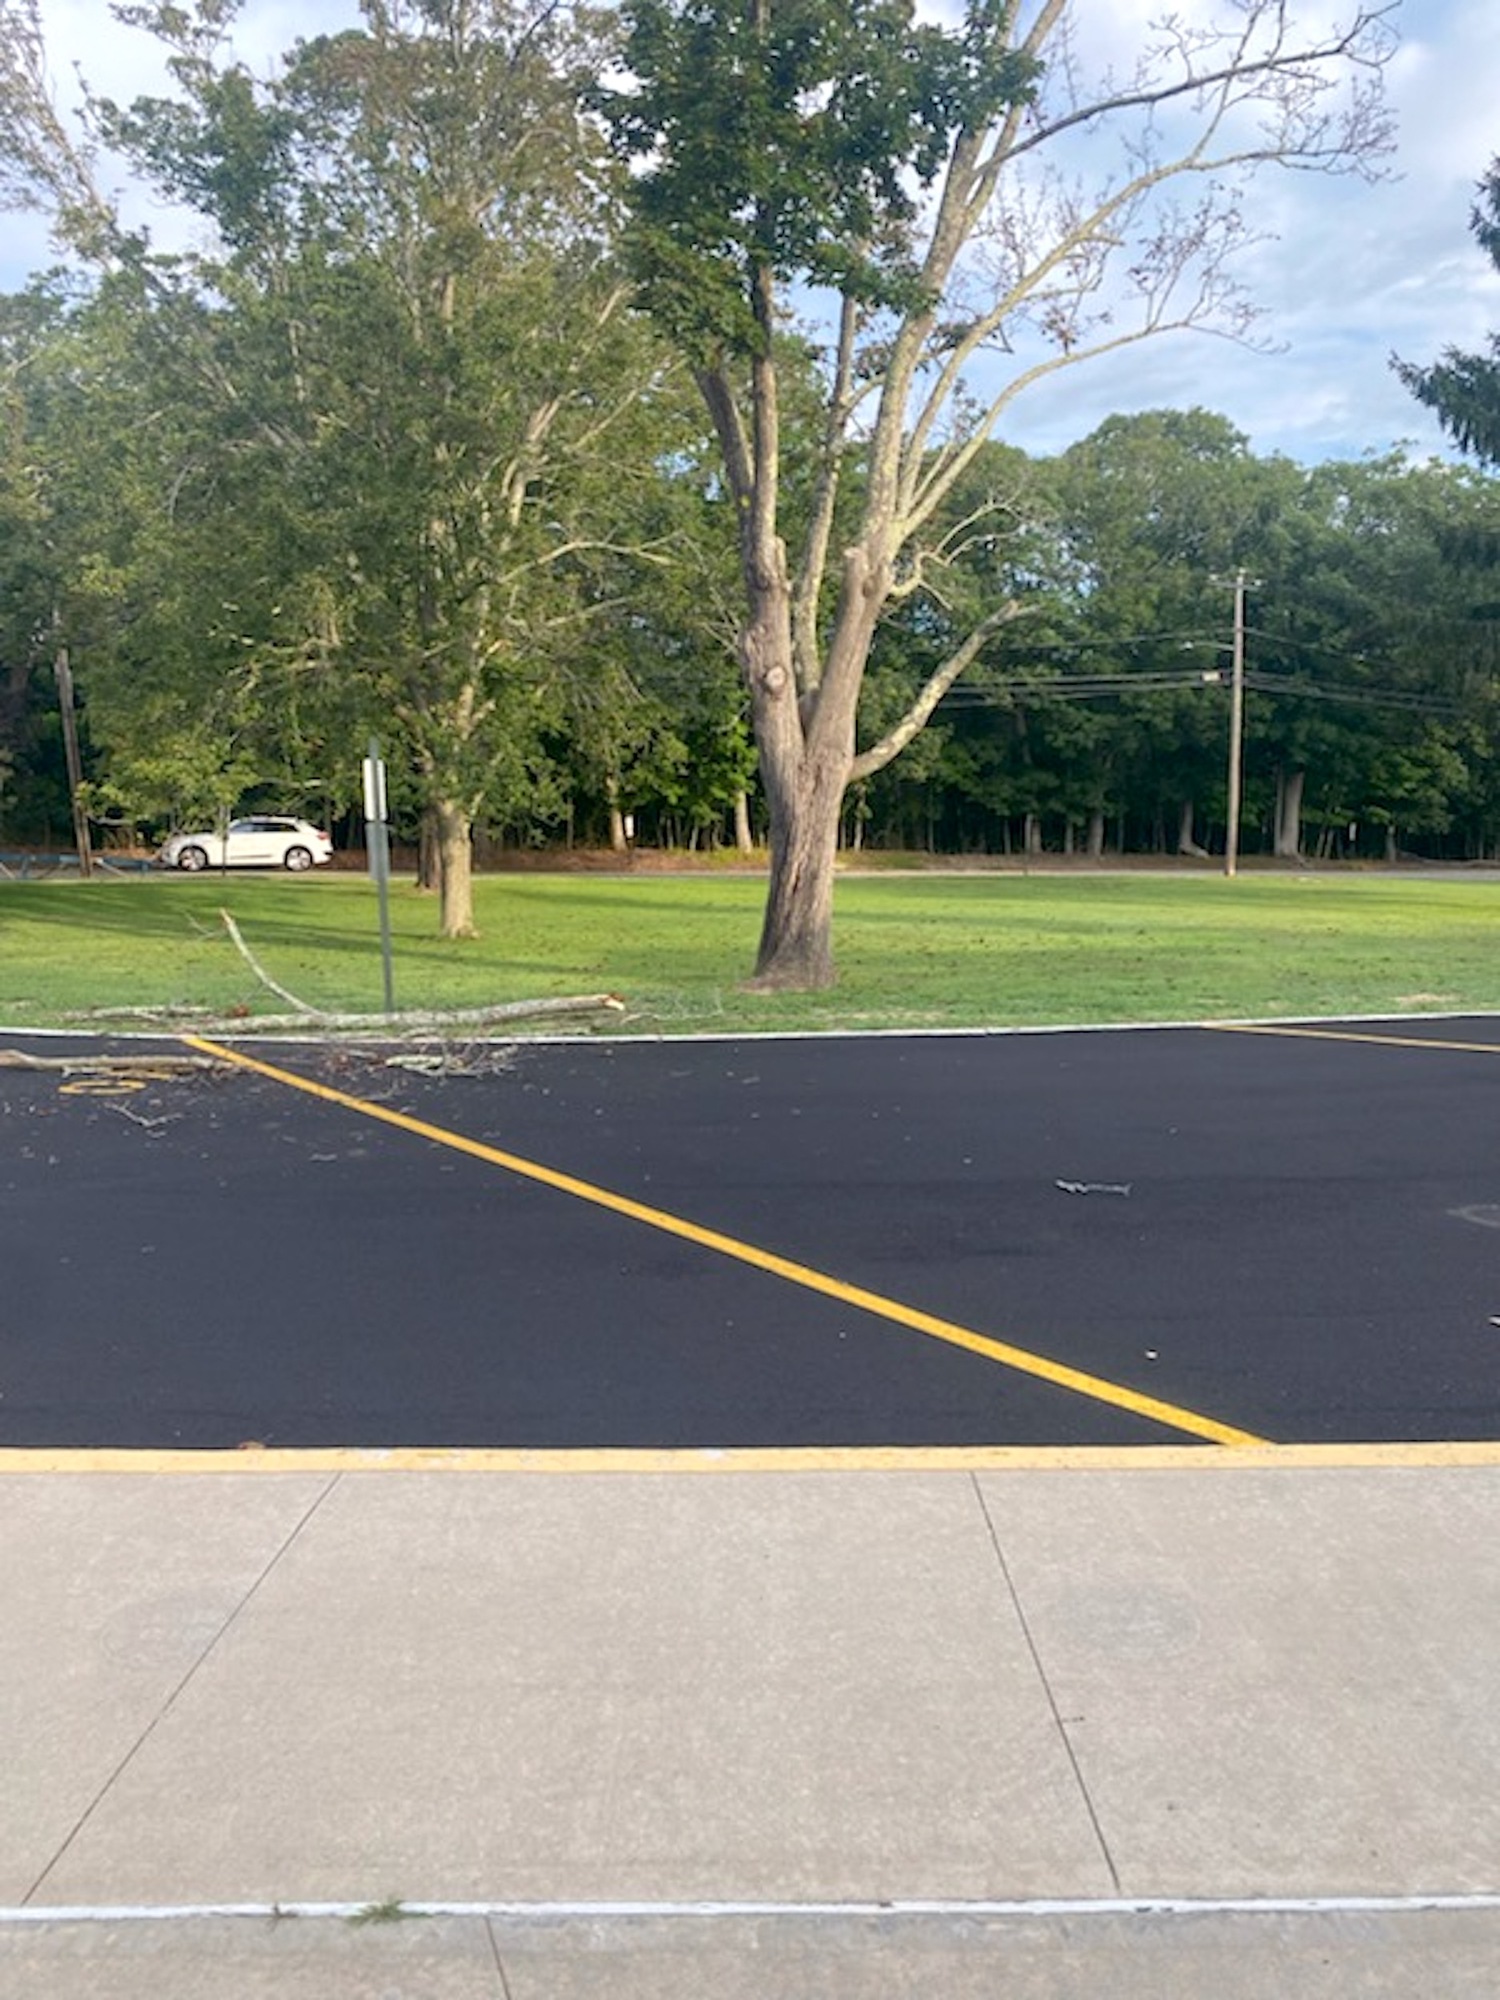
[
  {"x": 175, "y": 1695},
  {"x": 495, "y": 1952},
  {"x": 1041, "y": 1673}
]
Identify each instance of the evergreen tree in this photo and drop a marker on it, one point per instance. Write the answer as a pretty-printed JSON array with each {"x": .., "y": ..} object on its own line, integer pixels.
[{"x": 1463, "y": 390}]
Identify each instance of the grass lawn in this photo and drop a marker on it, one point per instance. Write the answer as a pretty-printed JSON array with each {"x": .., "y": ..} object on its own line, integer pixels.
[{"x": 914, "y": 950}]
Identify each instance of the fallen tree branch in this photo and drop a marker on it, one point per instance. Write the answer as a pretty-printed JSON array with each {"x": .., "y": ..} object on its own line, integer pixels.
[
  {"x": 147, "y": 1067},
  {"x": 174, "y": 1011},
  {"x": 463, "y": 1017},
  {"x": 262, "y": 975}
]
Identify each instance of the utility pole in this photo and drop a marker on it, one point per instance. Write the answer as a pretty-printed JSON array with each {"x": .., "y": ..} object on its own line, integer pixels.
[
  {"x": 62, "y": 666},
  {"x": 1240, "y": 582}
]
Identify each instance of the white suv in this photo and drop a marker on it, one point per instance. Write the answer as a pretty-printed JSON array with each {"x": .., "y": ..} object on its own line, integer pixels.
[{"x": 261, "y": 842}]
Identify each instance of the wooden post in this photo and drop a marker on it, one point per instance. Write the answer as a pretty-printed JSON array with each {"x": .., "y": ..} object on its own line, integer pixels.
[
  {"x": 1239, "y": 582},
  {"x": 1236, "y": 731},
  {"x": 64, "y": 673}
]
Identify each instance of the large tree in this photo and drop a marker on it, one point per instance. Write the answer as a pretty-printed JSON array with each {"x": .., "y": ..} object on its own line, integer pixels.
[
  {"x": 930, "y": 199},
  {"x": 28, "y": 570},
  {"x": 1158, "y": 511},
  {"x": 429, "y": 355},
  {"x": 420, "y": 397},
  {"x": 1463, "y": 390}
]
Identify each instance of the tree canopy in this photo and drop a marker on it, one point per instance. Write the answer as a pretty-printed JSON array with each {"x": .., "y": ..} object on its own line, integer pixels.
[{"x": 1463, "y": 390}]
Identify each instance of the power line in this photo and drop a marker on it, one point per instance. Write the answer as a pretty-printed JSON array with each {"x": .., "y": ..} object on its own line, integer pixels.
[
  {"x": 1100, "y": 687},
  {"x": 1422, "y": 704},
  {"x": 1077, "y": 687}
]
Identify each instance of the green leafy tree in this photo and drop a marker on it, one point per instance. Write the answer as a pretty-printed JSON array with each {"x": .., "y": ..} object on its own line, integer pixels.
[
  {"x": 1365, "y": 644},
  {"x": 1157, "y": 512},
  {"x": 1370, "y": 649},
  {"x": 66, "y": 492},
  {"x": 652, "y": 708},
  {"x": 420, "y": 407},
  {"x": 891, "y": 179},
  {"x": 29, "y": 575},
  {"x": 431, "y": 359}
]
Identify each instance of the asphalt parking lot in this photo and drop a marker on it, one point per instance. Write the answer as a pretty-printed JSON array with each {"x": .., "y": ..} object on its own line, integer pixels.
[{"x": 1153, "y": 1236}]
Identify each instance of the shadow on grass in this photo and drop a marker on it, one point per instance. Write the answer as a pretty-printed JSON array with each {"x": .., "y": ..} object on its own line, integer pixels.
[
  {"x": 185, "y": 912},
  {"x": 90, "y": 906}
]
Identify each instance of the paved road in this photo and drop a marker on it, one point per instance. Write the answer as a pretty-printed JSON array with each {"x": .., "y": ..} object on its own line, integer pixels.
[{"x": 1293, "y": 1236}]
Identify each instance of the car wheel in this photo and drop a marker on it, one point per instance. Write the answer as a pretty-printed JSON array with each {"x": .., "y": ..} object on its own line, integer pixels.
[
  {"x": 297, "y": 858},
  {"x": 192, "y": 858}
]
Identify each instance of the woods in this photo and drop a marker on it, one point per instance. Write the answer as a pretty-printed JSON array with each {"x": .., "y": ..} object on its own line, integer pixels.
[{"x": 634, "y": 451}]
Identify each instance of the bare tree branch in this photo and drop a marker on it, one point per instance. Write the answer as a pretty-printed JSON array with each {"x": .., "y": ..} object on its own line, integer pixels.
[
  {"x": 917, "y": 716},
  {"x": 42, "y": 165},
  {"x": 807, "y": 589}
]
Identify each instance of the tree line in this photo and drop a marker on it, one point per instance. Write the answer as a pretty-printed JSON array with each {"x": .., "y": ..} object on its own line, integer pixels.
[
  {"x": 1099, "y": 723},
  {"x": 601, "y": 408}
]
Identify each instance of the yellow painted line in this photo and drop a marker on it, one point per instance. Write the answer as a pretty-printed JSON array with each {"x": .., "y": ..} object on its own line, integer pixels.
[
  {"x": 1350, "y": 1035},
  {"x": 318, "y": 1460},
  {"x": 1024, "y": 1362}
]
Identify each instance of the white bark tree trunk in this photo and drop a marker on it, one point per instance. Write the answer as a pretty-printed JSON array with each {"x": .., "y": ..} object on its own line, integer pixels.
[
  {"x": 455, "y": 845},
  {"x": 1289, "y": 789},
  {"x": 618, "y": 840},
  {"x": 1186, "y": 844}
]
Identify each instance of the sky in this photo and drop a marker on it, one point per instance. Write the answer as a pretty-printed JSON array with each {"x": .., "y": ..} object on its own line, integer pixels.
[{"x": 1355, "y": 271}]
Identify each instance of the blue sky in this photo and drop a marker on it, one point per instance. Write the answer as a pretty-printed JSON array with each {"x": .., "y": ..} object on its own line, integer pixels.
[{"x": 1354, "y": 272}]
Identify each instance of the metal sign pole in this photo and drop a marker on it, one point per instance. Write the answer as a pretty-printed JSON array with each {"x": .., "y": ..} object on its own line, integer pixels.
[{"x": 377, "y": 846}]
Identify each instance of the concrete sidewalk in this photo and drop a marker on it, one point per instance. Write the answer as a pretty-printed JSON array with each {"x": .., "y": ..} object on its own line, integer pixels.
[{"x": 753, "y": 1707}]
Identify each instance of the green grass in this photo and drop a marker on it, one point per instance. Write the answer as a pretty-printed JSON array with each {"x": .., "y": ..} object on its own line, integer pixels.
[{"x": 914, "y": 950}]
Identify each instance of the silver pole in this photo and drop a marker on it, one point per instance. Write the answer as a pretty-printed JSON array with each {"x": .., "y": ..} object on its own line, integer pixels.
[{"x": 377, "y": 846}]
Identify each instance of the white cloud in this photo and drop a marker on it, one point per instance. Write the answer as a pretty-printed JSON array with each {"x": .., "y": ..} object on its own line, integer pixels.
[
  {"x": 88, "y": 45},
  {"x": 1355, "y": 270},
  {"x": 123, "y": 62},
  {"x": 1445, "y": 85}
]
